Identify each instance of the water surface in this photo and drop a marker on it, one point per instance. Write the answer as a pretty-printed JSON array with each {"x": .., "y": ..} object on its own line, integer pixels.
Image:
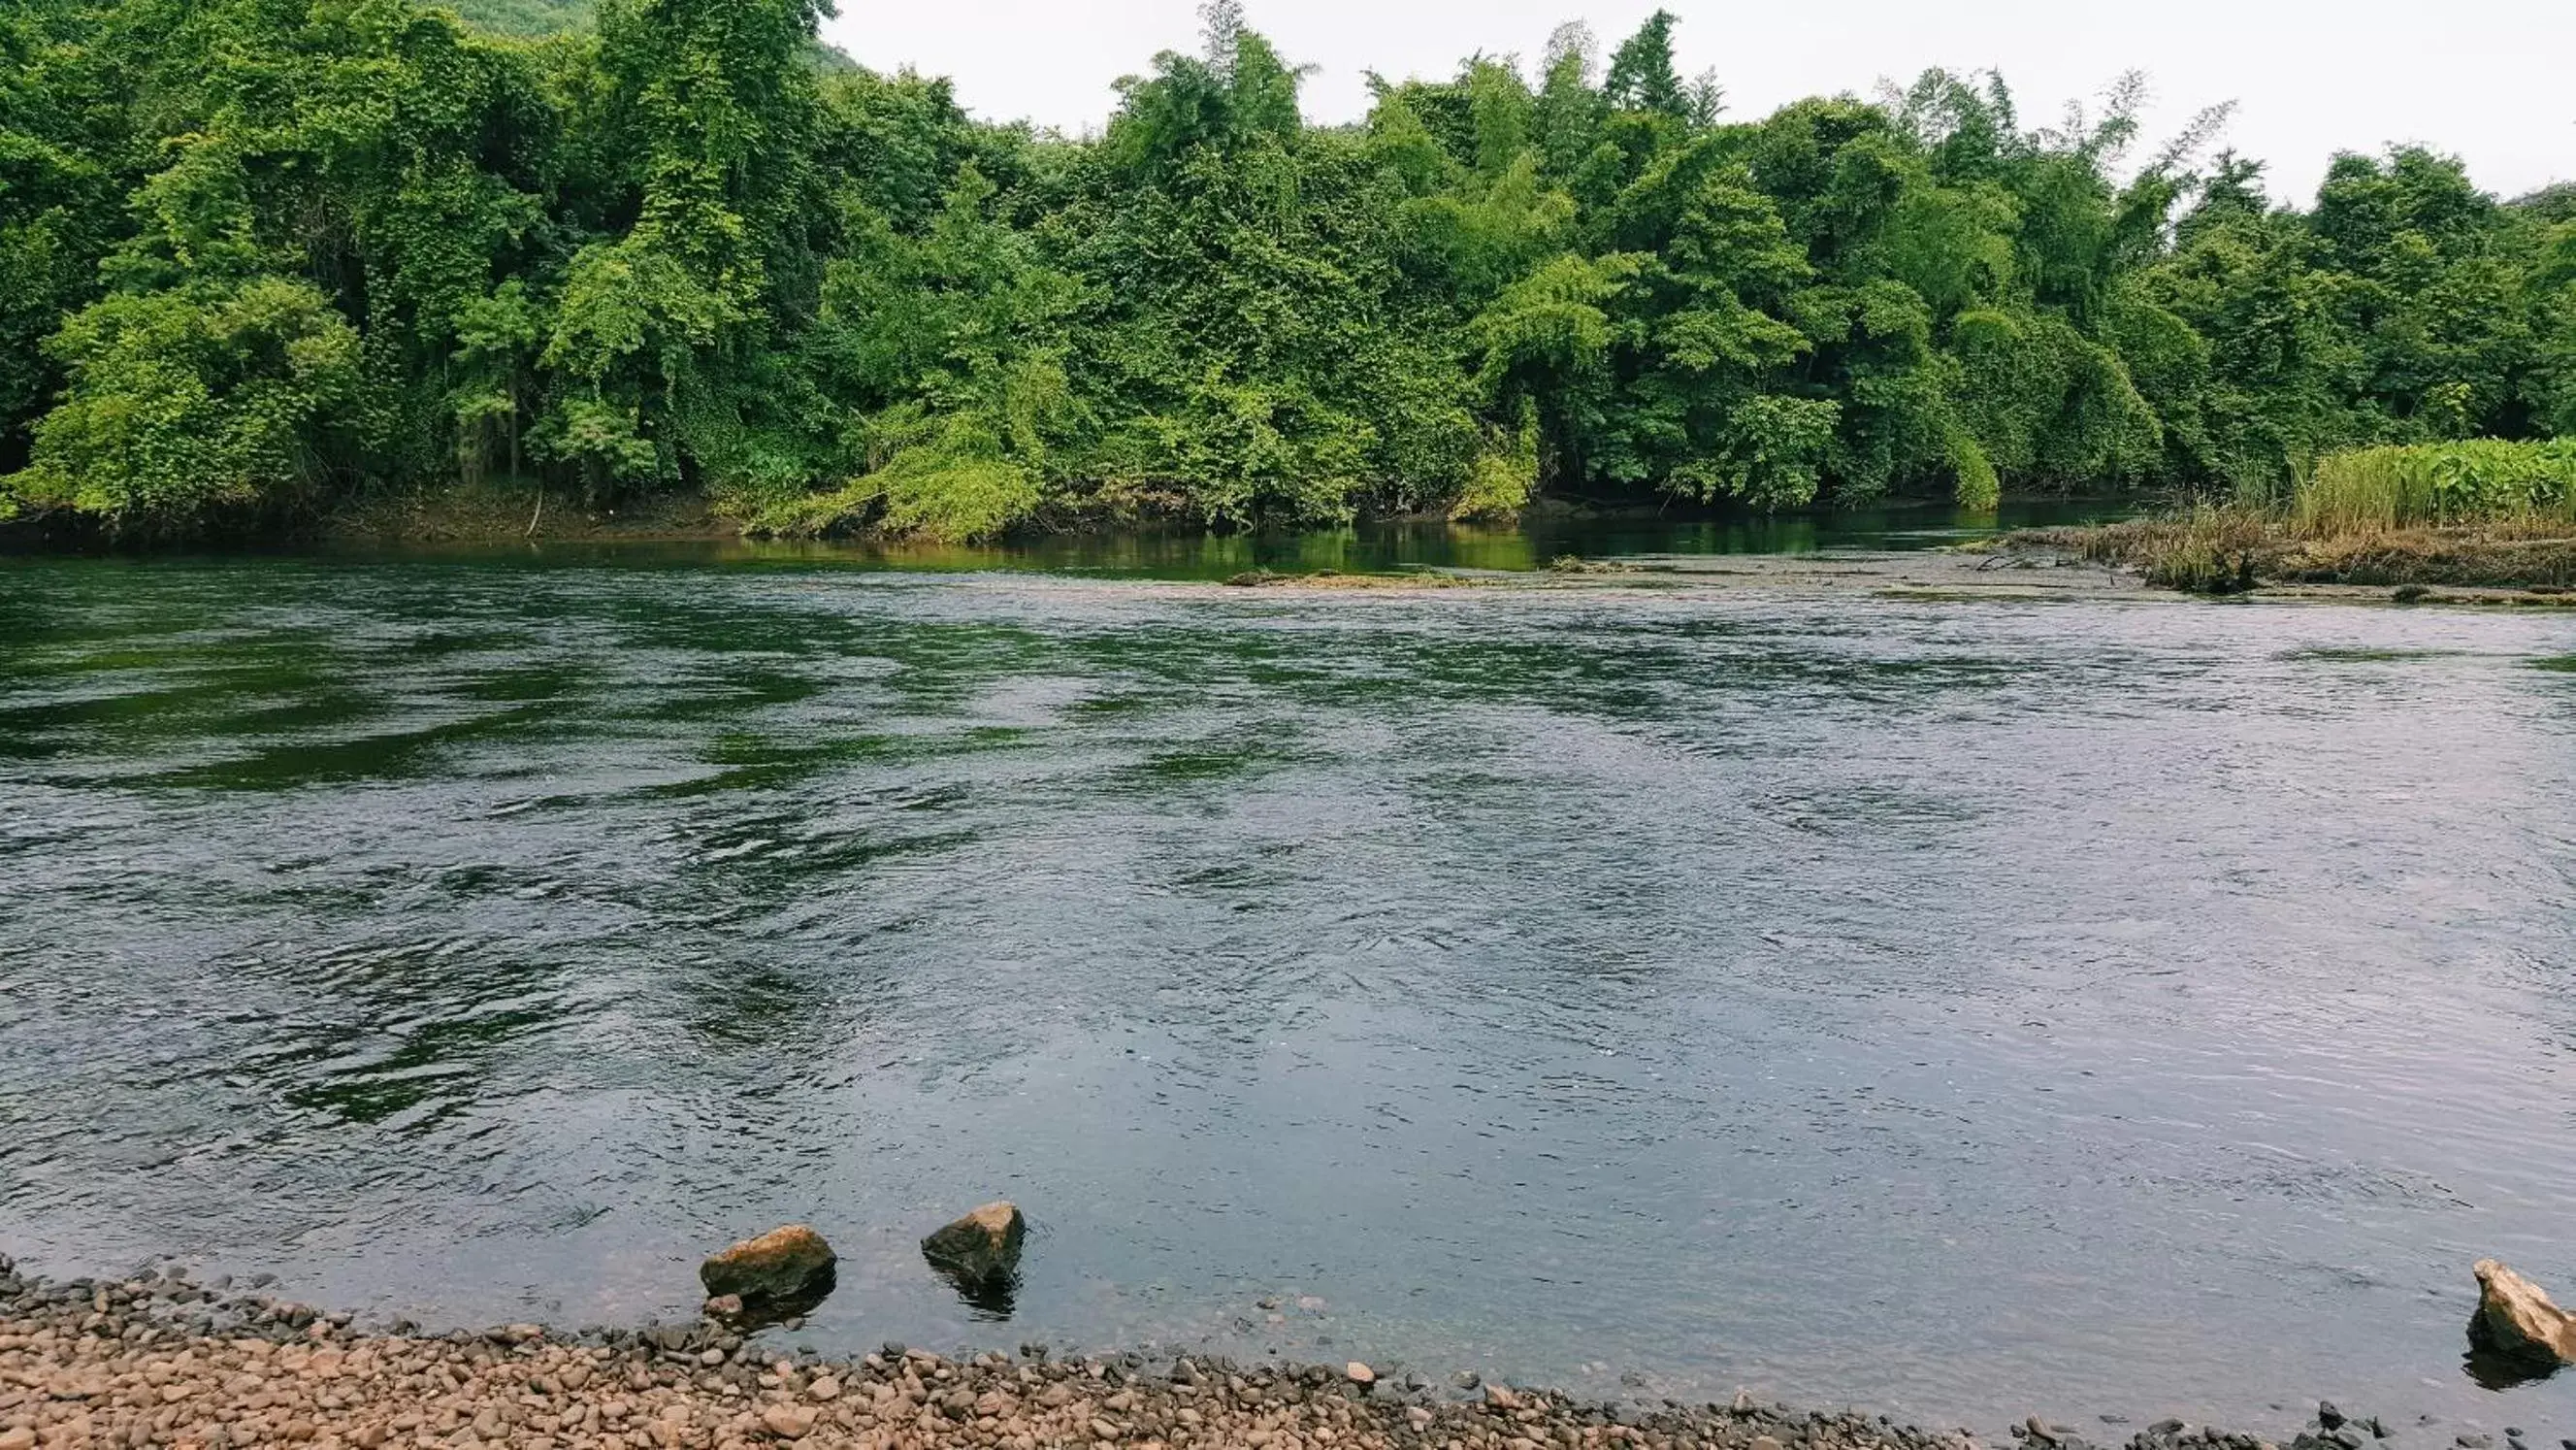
[{"x": 1955, "y": 1008}]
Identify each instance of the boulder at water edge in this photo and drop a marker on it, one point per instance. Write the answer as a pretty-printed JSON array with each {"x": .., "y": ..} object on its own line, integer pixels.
[
  {"x": 983, "y": 1247},
  {"x": 2516, "y": 1319},
  {"x": 780, "y": 1265}
]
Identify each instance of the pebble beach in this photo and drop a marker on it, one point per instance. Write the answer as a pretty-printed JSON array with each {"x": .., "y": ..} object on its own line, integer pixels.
[{"x": 161, "y": 1360}]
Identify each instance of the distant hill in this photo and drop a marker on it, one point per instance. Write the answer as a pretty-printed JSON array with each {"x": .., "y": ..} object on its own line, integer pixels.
[
  {"x": 523, "y": 17},
  {"x": 573, "y": 17}
]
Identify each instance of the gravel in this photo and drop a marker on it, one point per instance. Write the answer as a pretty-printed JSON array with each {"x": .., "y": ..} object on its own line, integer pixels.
[{"x": 157, "y": 1360}]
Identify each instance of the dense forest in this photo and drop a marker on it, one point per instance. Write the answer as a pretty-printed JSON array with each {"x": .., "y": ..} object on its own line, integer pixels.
[{"x": 259, "y": 258}]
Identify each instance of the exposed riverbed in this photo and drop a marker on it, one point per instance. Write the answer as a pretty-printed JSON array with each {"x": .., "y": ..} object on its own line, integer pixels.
[{"x": 1958, "y": 1004}]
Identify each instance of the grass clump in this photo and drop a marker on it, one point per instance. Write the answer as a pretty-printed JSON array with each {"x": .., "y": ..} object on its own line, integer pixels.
[
  {"x": 2478, "y": 480},
  {"x": 2206, "y": 550}
]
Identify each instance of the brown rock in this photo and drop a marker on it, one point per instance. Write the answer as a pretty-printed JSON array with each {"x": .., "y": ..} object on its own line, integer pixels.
[
  {"x": 984, "y": 1246},
  {"x": 1360, "y": 1374},
  {"x": 788, "y": 1422},
  {"x": 784, "y": 1263},
  {"x": 723, "y": 1306},
  {"x": 2516, "y": 1319}
]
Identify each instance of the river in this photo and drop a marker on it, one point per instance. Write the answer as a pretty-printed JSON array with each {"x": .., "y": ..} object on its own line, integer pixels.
[{"x": 1959, "y": 1008}]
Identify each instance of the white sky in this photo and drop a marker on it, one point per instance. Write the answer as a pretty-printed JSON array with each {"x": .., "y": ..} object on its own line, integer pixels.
[{"x": 2484, "y": 79}]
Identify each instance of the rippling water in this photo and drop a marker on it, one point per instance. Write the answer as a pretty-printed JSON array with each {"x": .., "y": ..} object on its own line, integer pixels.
[{"x": 1955, "y": 1008}]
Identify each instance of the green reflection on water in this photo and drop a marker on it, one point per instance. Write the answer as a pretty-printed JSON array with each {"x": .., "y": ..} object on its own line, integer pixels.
[{"x": 1375, "y": 547}]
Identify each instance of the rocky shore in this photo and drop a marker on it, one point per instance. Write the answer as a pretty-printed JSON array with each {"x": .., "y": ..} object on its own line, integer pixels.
[{"x": 160, "y": 1360}]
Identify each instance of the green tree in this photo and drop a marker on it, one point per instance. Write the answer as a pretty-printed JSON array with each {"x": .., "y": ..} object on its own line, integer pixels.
[{"x": 258, "y": 257}]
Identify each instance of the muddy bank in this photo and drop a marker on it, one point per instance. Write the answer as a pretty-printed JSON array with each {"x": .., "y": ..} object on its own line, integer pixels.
[{"x": 162, "y": 1360}]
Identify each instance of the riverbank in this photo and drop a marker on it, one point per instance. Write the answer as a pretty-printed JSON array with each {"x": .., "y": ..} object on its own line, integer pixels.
[
  {"x": 2215, "y": 552},
  {"x": 2235, "y": 551},
  {"x": 162, "y": 1360},
  {"x": 494, "y": 515}
]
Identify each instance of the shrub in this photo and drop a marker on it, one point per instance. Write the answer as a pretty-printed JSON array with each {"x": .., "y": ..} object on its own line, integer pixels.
[{"x": 193, "y": 401}]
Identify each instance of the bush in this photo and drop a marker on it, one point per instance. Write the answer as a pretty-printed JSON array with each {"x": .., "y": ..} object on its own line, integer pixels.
[
  {"x": 1504, "y": 475},
  {"x": 1978, "y": 489},
  {"x": 192, "y": 401}
]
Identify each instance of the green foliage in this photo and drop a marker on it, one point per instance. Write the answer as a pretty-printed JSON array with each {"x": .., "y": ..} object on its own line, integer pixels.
[
  {"x": 188, "y": 403},
  {"x": 258, "y": 255},
  {"x": 1978, "y": 486},
  {"x": 1505, "y": 474},
  {"x": 1772, "y": 453}
]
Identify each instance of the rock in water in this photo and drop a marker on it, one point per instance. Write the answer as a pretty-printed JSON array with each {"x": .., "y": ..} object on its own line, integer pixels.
[
  {"x": 981, "y": 1248},
  {"x": 2516, "y": 1319},
  {"x": 781, "y": 1265}
]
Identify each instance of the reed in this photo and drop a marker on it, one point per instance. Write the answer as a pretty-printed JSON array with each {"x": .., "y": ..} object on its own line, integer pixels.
[{"x": 2483, "y": 480}]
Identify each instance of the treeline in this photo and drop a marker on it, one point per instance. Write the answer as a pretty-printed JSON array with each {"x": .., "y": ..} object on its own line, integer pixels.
[{"x": 258, "y": 257}]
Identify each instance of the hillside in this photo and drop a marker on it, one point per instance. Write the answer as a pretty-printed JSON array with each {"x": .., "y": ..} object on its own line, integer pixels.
[
  {"x": 524, "y": 17},
  {"x": 537, "y": 18}
]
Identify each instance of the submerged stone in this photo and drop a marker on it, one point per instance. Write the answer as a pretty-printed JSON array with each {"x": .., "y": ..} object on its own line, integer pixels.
[{"x": 983, "y": 1247}]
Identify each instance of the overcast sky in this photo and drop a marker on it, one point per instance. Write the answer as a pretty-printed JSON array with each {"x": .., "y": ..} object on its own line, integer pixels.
[{"x": 2485, "y": 79}]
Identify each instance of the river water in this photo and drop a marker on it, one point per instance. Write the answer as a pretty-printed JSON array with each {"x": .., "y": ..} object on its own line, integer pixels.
[{"x": 1959, "y": 1008}]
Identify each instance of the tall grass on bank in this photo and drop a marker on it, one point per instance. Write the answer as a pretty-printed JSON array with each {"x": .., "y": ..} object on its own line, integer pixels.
[
  {"x": 2476, "y": 481},
  {"x": 2476, "y": 514}
]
